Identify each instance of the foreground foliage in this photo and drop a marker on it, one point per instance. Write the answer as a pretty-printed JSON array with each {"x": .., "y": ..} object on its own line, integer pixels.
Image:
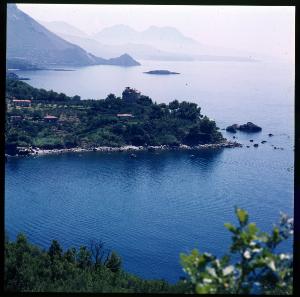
[
  {"x": 29, "y": 268},
  {"x": 256, "y": 268},
  {"x": 90, "y": 123},
  {"x": 253, "y": 268}
]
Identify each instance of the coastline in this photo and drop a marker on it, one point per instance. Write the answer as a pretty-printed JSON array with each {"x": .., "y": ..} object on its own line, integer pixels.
[{"x": 127, "y": 148}]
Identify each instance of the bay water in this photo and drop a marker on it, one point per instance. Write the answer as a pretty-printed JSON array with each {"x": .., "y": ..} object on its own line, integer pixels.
[{"x": 151, "y": 208}]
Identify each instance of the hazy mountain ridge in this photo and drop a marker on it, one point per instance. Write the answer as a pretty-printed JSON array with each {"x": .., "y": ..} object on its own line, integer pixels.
[
  {"x": 60, "y": 27},
  {"x": 87, "y": 42},
  {"x": 32, "y": 42},
  {"x": 118, "y": 39},
  {"x": 171, "y": 41},
  {"x": 119, "y": 34}
]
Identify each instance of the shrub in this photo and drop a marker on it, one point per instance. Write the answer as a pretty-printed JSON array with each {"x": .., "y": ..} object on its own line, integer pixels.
[{"x": 258, "y": 270}]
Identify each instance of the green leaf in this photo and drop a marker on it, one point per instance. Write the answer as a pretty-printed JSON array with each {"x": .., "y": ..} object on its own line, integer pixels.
[
  {"x": 252, "y": 229},
  {"x": 242, "y": 216},
  {"x": 230, "y": 227},
  {"x": 203, "y": 289},
  {"x": 276, "y": 235}
]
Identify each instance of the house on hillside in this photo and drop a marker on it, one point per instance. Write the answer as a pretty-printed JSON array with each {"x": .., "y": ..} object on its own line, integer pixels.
[
  {"x": 21, "y": 103},
  {"x": 15, "y": 119},
  {"x": 50, "y": 119},
  {"x": 130, "y": 95},
  {"x": 125, "y": 115}
]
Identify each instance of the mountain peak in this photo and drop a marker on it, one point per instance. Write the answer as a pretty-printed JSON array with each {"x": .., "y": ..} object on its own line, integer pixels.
[
  {"x": 31, "y": 41},
  {"x": 124, "y": 60}
]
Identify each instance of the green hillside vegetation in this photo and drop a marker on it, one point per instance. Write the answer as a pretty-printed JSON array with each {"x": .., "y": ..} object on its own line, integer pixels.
[
  {"x": 90, "y": 123},
  {"x": 257, "y": 267},
  {"x": 29, "y": 268}
]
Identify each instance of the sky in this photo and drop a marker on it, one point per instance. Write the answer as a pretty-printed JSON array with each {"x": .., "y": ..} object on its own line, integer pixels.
[{"x": 268, "y": 30}]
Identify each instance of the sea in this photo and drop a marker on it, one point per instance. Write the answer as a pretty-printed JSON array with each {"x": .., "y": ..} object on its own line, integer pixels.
[{"x": 151, "y": 208}]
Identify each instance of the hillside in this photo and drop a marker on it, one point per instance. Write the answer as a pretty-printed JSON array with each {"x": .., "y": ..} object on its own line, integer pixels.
[
  {"x": 32, "y": 42},
  {"x": 133, "y": 119}
]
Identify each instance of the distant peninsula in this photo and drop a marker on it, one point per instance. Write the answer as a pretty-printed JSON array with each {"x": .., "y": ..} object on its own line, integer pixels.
[
  {"x": 45, "y": 121},
  {"x": 12, "y": 75},
  {"x": 161, "y": 72}
]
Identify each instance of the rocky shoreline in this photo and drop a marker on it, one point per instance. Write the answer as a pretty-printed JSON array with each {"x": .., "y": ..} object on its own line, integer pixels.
[{"x": 128, "y": 148}]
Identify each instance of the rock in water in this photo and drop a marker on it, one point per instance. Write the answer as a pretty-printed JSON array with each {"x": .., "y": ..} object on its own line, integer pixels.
[
  {"x": 161, "y": 72},
  {"x": 249, "y": 127},
  {"x": 232, "y": 128}
]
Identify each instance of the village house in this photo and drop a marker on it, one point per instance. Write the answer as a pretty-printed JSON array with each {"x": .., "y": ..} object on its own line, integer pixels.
[
  {"x": 21, "y": 103},
  {"x": 125, "y": 115},
  {"x": 15, "y": 119},
  {"x": 50, "y": 119}
]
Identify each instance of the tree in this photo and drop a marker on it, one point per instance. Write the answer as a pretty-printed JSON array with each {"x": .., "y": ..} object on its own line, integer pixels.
[
  {"x": 70, "y": 255},
  {"x": 114, "y": 262},
  {"x": 196, "y": 136},
  {"x": 111, "y": 97},
  {"x": 55, "y": 250},
  {"x": 84, "y": 258},
  {"x": 98, "y": 252},
  {"x": 174, "y": 104},
  {"x": 76, "y": 98},
  {"x": 257, "y": 270}
]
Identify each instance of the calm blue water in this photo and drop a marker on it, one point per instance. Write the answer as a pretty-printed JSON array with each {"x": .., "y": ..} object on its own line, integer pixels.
[{"x": 151, "y": 208}]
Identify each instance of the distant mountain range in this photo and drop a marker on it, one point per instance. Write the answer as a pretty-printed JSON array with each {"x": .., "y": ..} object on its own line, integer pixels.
[
  {"x": 106, "y": 49},
  {"x": 164, "y": 36},
  {"x": 33, "y": 44},
  {"x": 154, "y": 43}
]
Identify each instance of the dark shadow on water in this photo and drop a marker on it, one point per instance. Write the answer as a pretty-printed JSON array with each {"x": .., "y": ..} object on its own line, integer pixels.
[{"x": 157, "y": 162}]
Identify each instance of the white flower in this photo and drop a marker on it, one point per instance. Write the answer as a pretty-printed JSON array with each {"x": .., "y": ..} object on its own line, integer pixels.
[
  {"x": 228, "y": 270},
  {"x": 252, "y": 243},
  {"x": 284, "y": 257},
  {"x": 271, "y": 265},
  {"x": 207, "y": 280},
  {"x": 257, "y": 284},
  {"x": 211, "y": 271},
  {"x": 257, "y": 250},
  {"x": 247, "y": 254}
]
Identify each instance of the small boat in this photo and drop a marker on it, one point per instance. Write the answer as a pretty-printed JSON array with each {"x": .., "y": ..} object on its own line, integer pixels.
[{"x": 132, "y": 155}]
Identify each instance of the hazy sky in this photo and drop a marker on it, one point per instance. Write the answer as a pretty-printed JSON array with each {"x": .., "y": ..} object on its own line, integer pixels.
[{"x": 262, "y": 29}]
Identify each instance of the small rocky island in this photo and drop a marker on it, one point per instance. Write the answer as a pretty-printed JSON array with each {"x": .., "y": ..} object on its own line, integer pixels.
[
  {"x": 249, "y": 127},
  {"x": 161, "y": 72}
]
